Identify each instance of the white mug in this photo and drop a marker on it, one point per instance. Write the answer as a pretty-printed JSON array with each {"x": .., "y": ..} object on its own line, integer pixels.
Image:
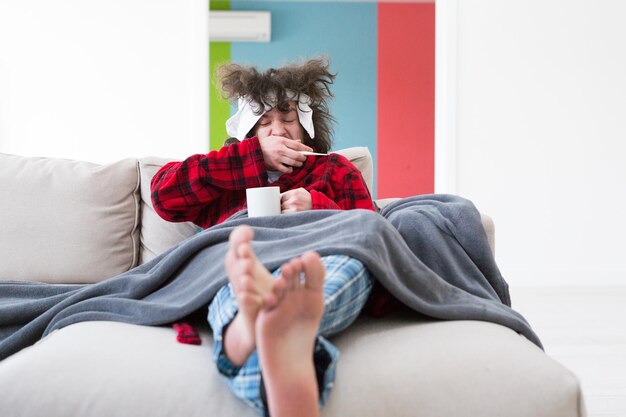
[{"x": 263, "y": 201}]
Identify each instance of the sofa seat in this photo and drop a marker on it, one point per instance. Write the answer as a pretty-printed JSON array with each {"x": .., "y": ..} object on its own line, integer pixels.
[{"x": 448, "y": 369}]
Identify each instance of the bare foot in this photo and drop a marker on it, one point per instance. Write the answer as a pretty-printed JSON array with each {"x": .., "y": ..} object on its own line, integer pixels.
[
  {"x": 286, "y": 337},
  {"x": 252, "y": 285}
]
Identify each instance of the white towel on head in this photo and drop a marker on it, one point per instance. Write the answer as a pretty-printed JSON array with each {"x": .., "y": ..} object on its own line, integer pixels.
[{"x": 245, "y": 118}]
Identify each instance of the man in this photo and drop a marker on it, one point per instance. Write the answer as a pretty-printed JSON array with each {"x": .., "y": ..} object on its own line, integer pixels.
[
  {"x": 282, "y": 113},
  {"x": 274, "y": 324}
]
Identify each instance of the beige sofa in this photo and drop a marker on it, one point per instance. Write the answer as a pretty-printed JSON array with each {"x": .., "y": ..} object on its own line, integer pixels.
[{"x": 76, "y": 222}]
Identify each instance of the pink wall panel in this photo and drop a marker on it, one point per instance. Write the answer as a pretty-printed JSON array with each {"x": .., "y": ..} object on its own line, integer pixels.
[{"x": 406, "y": 99}]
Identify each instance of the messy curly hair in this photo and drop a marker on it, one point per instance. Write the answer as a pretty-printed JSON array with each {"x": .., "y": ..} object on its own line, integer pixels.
[{"x": 310, "y": 77}]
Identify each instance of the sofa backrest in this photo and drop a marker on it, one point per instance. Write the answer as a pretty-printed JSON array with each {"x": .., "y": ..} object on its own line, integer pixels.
[
  {"x": 157, "y": 235},
  {"x": 64, "y": 221}
]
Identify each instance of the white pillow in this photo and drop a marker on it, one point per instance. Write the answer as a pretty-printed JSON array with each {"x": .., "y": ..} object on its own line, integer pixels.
[
  {"x": 361, "y": 158},
  {"x": 157, "y": 235},
  {"x": 64, "y": 221}
]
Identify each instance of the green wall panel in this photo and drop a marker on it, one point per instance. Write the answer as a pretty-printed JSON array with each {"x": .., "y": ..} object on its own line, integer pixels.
[{"x": 219, "y": 53}]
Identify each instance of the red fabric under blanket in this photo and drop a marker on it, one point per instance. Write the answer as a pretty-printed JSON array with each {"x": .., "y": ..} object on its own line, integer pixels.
[{"x": 186, "y": 333}]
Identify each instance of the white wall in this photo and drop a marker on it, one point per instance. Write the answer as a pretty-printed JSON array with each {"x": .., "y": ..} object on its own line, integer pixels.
[
  {"x": 541, "y": 134},
  {"x": 103, "y": 80}
]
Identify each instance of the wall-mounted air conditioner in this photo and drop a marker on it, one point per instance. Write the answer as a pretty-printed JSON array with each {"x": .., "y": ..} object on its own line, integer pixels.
[{"x": 240, "y": 26}]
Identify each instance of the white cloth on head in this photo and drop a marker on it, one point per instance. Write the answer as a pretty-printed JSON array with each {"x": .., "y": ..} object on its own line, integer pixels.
[{"x": 244, "y": 120}]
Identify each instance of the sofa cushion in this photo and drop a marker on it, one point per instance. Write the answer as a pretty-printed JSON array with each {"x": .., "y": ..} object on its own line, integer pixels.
[
  {"x": 67, "y": 221},
  {"x": 157, "y": 235},
  {"x": 361, "y": 158},
  {"x": 414, "y": 366},
  {"x": 397, "y": 366}
]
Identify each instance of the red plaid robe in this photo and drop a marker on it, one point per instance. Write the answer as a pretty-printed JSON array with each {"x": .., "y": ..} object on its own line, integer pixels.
[{"x": 208, "y": 188}]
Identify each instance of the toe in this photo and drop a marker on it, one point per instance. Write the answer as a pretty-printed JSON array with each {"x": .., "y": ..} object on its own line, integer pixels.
[
  {"x": 244, "y": 250},
  {"x": 314, "y": 270},
  {"x": 290, "y": 272},
  {"x": 280, "y": 286},
  {"x": 297, "y": 272},
  {"x": 241, "y": 234}
]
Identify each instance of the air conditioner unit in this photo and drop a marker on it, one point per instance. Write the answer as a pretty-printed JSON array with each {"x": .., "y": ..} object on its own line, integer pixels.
[{"x": 240, "y": 26}]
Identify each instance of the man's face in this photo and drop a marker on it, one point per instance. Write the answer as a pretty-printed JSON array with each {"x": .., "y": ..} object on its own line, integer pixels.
[{"x": 277, "y": 123}]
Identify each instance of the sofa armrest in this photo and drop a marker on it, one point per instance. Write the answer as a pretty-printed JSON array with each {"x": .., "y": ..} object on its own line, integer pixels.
[
  {"x": 487, "y": 222},
  {"x": 490, "y": 229}
]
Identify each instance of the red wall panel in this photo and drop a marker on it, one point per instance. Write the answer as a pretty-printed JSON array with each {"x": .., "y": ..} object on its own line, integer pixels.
[{"x": 406, "y": 99}]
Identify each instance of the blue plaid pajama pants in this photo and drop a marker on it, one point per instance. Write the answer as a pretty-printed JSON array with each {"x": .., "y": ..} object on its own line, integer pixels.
[{"x": 346, "y": 289}]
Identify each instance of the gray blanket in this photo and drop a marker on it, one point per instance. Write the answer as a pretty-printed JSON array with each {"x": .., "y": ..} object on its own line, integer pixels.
[{"x": 430, "y": 252}]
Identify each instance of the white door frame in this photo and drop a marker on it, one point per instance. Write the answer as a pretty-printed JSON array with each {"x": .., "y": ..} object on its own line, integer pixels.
[{"x": 445, "y": 95}]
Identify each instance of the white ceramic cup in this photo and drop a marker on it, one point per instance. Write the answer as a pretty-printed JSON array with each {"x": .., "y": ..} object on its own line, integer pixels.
[{"x": 263, "y": 201}]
